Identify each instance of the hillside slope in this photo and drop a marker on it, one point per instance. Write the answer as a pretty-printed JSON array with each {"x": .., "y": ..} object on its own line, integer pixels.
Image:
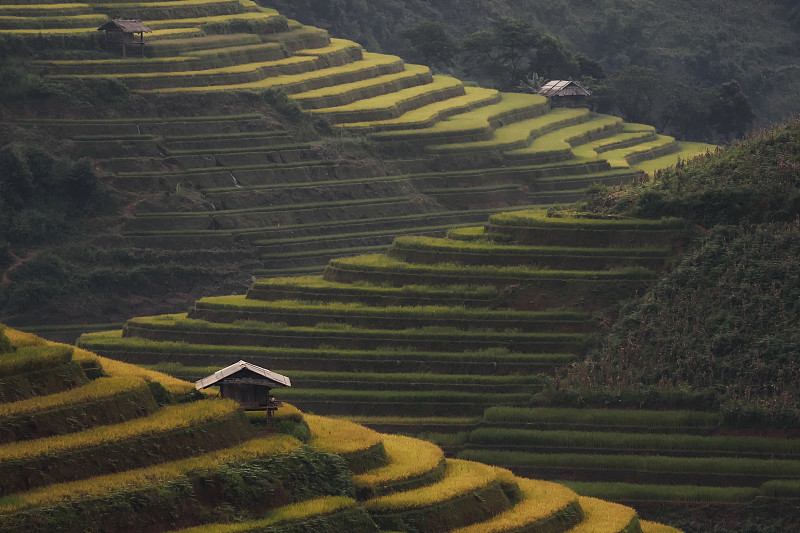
[
  {"x": 705, "y": 43},
  {"x": 211, "y": 167},
  {"x": 182, "y": 461},
  {"x": 724, "y": 322},
  {"x": 463, "y": 340}
]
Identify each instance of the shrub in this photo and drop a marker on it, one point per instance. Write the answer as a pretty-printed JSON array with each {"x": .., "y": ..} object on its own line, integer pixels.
[{"x": 5, "y": 343}]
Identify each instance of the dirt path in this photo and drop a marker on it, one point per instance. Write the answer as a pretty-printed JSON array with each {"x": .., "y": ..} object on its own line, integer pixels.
[{"x": 18, "y": 261}]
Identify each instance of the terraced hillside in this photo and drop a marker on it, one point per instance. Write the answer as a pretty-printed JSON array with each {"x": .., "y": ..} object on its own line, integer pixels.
[
  {"x": 90, "y": 444},
  {"x": 243, "y": 190},
  {"x": 454, "y": 338}
]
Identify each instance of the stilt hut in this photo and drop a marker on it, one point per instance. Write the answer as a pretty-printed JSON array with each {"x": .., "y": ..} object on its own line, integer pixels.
[
  {"x": 565, "y": 93},
  {"x": 249, "y": 385},
  {"x": 124, "y": 32}
]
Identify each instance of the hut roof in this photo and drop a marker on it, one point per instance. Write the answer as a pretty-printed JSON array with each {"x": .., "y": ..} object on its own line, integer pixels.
[
  {"x": 125, "y": 26},
  {"x": 563, "y": 88},
  {"x": 276, "y": 379}
]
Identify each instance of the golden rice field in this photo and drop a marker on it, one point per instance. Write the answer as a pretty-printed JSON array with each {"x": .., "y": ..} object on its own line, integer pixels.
[
  {"x": 340, "y": 436},
  {"x": 167, "y": 419},
  {"x": 270, "y": 446},
  {"x": 461, "y": 477},
  {"x": 408, "y": 458}
]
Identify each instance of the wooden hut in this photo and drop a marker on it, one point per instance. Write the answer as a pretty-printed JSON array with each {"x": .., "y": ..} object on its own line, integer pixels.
[
  {"x": 249, "y": 385},
  {"x": 565, "y": 93},
  {"x": 124, "y": 32}
]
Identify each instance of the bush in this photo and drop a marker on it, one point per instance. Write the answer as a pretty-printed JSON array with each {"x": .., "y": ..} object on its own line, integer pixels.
[{"x": 5, "y": 344}]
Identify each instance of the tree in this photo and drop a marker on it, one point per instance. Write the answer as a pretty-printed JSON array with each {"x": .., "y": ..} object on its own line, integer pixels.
[
  {"x": 731, "y": 112},
  {"x": 503, "y": 52},
  {"x": 554, "y": 61},
  {"x": 635, "y": 90},
  {"x": 686, "y": 112},
  {"x": 431, "y": 44}
]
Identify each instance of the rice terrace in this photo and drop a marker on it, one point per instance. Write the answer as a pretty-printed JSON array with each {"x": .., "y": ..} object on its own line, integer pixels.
[{"x": 486, "y": 267}]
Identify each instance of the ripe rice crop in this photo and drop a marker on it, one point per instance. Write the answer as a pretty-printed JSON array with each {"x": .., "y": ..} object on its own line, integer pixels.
[
  {"x": 327, "y": 330},
  {"x": 518, "y": 134},
  {"x": 94, "y": 390},
  {"x": 430, "y": 114},
  {"x": 33, "y": 358},
  {"x": 358, "y": 309},
  {"x": 295, "y": 83},
  {"x": 118, "y": 368},
  {"x": 538, "y": 218},
  {"x": 133, "y": 344},
  {"x": 151, "y": 476},
  {"x": 20, "y": 339},
  {"x": 540, "y": 500},
  {"x": 461, "y": 477},
  {"x": 450, "y": 245},
  {"x": 409, "y": 458},
  {"x": 475, "y": 121},
  {"x": 317, "y": 507},
  {"x": 167, "y": 419},
  {"x": 383, "y": 263},
  {"x": 652, "y": 527},
  {"x": 340, "y": 436},
  {"x": 318, "y": 282},
  {"x": 606, "y": 516}
]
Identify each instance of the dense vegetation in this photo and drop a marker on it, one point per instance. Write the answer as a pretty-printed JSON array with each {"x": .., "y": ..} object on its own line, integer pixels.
[
  {"x": 722, "y": 326},
  {"x": 696, "y": 49}
]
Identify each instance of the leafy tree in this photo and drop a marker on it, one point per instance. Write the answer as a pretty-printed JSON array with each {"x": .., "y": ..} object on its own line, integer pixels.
[
  {"x": 730, "y": 112},
  {"x": 503, "y": 51},
  {"x": 634, "y": 92},
  {"x": 686, "y": 113},
  {"x": 554, "y": 61},
  {"x": 39, "y": 193},
  {"x": 431, "y": 44}
]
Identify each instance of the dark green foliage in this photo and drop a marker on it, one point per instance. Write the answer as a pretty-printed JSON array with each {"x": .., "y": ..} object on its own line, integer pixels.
[
  {"x": 278, "y": 98},
  {"x": 756, "y": 180},
  {"x": 298, "y": 430},
  {"x": 41, "y": 195},
  {"x": 41, "y": 382},
  {"x": 363, "y": 460},
  {"x": 724, "y": 321},
  {"x": 633, "y": 92},
  {"x": 503, "y": 51},
  {"x": 431, "y": 44},
  {"x": 159, "y": 393},
  {"x": 349, "y": 520},
  {"x": 62, "y": 280},
  {"x": 730, "y": 112},
  {"x": 5, "y": 344}
]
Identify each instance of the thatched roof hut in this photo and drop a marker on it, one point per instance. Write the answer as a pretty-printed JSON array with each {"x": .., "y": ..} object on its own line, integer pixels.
[
  {"x": 565, "y": 93},
  {"x": 119, "y": 31}
]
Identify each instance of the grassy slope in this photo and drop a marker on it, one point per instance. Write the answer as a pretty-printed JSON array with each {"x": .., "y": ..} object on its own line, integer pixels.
[{"x": 723, "y": 323}]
